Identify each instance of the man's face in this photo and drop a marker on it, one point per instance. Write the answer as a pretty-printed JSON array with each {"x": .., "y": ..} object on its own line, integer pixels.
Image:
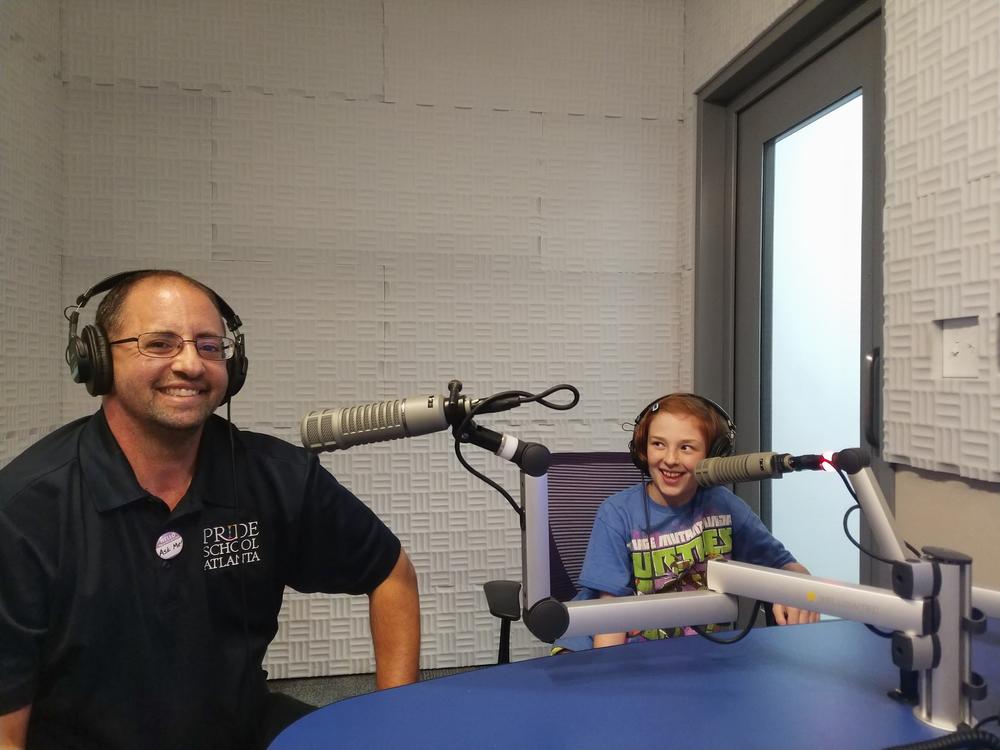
[
  {"x": 674, "y": 447},
  {"x": 169, "y": 393}
]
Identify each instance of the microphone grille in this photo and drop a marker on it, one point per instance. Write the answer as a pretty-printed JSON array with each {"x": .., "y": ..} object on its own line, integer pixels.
[
  {"x": 371, "y": 417},
  {"x": 311, "y": 430},
  {"x": 337, "y": 429}
]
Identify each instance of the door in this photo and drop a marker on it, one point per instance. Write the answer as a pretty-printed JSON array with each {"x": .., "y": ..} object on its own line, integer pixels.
[{"x": 805, "y": 175}]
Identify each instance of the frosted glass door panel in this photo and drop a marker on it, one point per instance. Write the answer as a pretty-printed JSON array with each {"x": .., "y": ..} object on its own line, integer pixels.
[{"x": 815, "y": 330}]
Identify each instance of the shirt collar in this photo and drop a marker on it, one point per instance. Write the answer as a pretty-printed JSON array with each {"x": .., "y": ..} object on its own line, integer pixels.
[
  {"x": 214, "y": 475},
  {"x": 112, "y": 482}
]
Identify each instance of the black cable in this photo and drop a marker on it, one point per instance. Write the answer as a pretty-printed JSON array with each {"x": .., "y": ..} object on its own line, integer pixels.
[
  {"x": 876, "y": 631},
  {"x": 872, "y": 628},
  {"x": 856, "y": 506},
  {"x": 847, "y": 483},
  {"x": 743, "y": 633},
  {"x": 987, "y": 720},
  {"x": 852, "y": 540},
  {"x": 969, "y": 739},
  {"x": 248, "y": 667},
  {"x": 847, "y": 514},
  {"x": 524, "y": 397},
  {"x": 517, "y": 508},
  {"x": 679, "y": 576},
  {"x": 857, "y": 544}
]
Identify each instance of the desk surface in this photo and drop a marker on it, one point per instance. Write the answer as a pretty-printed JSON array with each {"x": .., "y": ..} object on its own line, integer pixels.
[{"x": 807, "y": 686}]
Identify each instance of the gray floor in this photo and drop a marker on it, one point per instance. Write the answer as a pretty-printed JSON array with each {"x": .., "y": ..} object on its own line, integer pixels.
[{"x": 320, "y": 691}]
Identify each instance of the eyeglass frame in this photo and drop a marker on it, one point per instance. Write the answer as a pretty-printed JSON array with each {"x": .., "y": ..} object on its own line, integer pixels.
[{"x": 228, "y": 351}]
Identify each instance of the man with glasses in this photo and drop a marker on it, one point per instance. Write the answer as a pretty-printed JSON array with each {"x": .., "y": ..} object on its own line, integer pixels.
[{"x": 145, "y": 549}]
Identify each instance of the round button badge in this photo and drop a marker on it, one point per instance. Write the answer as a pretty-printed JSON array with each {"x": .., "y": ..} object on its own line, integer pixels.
[{"x": 169, "y": 545}]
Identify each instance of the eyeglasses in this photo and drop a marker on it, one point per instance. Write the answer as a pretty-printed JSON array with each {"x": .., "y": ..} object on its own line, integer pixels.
[{"x": 170, "y": 345}]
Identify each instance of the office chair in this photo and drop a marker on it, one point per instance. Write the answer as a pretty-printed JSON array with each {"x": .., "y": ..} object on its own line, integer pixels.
[{"x": 577, "y": 484}]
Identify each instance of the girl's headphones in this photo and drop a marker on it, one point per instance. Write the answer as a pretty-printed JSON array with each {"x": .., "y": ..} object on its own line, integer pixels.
[
  {"x": 723, "y": 445},
  {"x": 89, "y": 354}
]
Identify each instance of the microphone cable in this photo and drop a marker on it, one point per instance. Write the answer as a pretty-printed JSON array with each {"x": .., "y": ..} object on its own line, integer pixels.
[
  {"x": 847, "y": 531},
  {"x": 995, "y": 717},
  {"x": 678, "y": 578},
  {"x": 523, "y": 397},
  {"x": 244, "y": 690},
  {"x": 856, "y": 543},
  {"x": 700, "y": 630},
  {"x": 966, "y": 739}
]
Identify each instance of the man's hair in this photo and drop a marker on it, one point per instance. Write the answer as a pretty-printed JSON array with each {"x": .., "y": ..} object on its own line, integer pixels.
[
  {"x": 109, "y": 313},
  {"x": 712, "y": 424}
]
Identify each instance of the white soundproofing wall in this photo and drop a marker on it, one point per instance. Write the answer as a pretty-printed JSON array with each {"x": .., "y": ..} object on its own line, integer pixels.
[
  {"x": 32, "y": 329},
  {"x": 383, "y": 225},
  {"x": 942, "y": 236},
  {"x": 716, "y": 31}
]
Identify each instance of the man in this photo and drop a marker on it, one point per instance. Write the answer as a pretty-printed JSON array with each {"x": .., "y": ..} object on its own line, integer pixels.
[{"x": 144, "y": 550}]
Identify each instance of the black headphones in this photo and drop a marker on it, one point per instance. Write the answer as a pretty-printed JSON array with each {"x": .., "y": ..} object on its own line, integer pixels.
[
  {"x": 723, "y": 445},
  {"x": 89, "y": 354}
]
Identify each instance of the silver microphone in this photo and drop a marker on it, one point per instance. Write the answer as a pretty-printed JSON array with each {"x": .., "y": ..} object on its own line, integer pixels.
[
  {"x": 743, "y": 468},
  {"x": 749, "y": 467},
  {"x": 338, "y": 429}
]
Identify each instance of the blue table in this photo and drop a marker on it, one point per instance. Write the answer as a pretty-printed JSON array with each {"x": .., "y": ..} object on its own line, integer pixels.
[{"x": 806, "y": 686}]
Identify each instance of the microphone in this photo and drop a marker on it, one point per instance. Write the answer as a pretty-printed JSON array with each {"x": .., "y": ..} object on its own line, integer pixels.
[
  {"x": 750, "y": 467},
  {"x": 339, "y": 429},
  {"x": 533, "y": 458}
]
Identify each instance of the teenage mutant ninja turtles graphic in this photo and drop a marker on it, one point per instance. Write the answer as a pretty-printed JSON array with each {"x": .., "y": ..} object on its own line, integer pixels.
[{"x": 678, "y": 561}]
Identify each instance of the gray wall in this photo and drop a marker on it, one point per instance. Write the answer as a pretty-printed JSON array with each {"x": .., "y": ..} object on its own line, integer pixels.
[
  {"x": 32, "y": 331},
  {"x": 391, "y": 195},
  {"x": 942, "y": 261}
]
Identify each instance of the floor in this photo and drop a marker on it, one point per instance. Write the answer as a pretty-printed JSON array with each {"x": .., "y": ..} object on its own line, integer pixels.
[{"x": 320, "y": 691}]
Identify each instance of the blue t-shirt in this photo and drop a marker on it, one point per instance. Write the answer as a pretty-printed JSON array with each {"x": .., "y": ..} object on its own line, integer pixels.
[{"x": 638, "y": 545}]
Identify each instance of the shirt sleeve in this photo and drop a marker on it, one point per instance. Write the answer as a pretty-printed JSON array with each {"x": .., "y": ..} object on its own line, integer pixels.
[
  {"x": 607, "y": 566},
  {"x": 23, "y": 617},
  {"x": 342, "y": 546},
  {"x": 753, "y": 543},
  {"x": 577, "y": 642}
]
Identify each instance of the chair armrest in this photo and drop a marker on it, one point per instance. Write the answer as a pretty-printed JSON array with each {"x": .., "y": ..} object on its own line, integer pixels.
[{"x": 504, "y": 599}]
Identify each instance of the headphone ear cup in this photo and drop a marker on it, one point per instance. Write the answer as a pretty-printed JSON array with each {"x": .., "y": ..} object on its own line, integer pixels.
[
  {"x": 636, "y": 458},
  {"x": 99, "y": 372},
  {"x": 78, "y": 359},
  {"x": 718, "y": 448},
  {"x": 723, "y": 445},
  {"x": 237, "y": 369},
  {"x": 633, "y": 449}
]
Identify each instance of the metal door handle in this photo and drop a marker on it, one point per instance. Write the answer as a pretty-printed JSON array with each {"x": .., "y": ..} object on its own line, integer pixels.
[{"x": 873, "y": 369}]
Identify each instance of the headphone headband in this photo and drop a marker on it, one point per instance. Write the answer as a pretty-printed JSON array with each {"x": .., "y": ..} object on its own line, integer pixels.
[
  {"x": 106, "y": 285},
  {"x": 723, "y": 445}
]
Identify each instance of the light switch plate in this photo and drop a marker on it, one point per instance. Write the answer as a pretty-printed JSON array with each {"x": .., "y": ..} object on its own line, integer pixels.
[{"x": 960, "y": 347}]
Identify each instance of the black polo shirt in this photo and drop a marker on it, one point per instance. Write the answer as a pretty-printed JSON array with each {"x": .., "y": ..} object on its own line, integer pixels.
[{"x": 126, "y": 625}]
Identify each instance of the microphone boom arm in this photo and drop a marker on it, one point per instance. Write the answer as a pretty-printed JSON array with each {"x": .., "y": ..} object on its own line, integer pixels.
[{"x": 933, "y": 608}]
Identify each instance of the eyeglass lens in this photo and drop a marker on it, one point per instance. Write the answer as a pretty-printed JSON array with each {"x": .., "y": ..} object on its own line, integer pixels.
[{"x": 169, "y": 344}]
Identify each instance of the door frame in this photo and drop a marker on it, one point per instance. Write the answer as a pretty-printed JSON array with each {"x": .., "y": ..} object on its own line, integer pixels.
[{"x": 800, "y": 36}]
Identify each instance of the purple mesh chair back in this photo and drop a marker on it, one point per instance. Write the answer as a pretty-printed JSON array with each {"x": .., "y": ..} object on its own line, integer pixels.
[{"x": 577, "y": 484}]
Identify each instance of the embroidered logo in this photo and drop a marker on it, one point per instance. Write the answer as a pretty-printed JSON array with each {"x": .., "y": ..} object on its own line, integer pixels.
[{"x": 233, "y": 544}]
